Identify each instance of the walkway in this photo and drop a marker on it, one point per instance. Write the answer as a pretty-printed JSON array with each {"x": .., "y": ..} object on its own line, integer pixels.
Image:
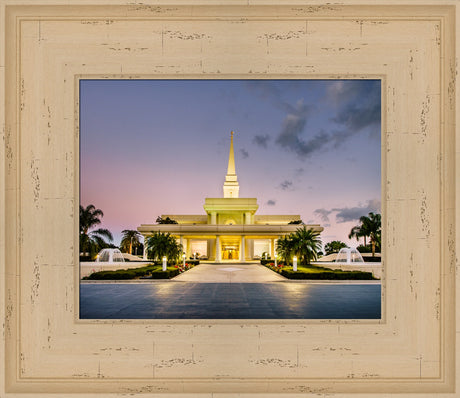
[
  {"x": 189, "y": 300},
  {"x": 229, "y": 273}
]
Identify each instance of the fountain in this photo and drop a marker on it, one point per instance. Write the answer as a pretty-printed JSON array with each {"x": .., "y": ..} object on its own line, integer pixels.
[
  {"x": 110, "y": 256},
  {"x": 349, "y": 255}
]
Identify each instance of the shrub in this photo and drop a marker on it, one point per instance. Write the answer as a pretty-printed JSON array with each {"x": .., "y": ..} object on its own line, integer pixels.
[
  {"x": 107, "y": 275},
  {"x": 265, "y": 262},
  {"x": 160, "y": 274},
  {"x": 370, "y": 259},
  {"x": 155, "y": 272},
  {"x": 169, "y": 273},
  {"x": 316, "y": 272},
  {"x": 367, "y": 249},
  {"x": 336, "y": 274}
]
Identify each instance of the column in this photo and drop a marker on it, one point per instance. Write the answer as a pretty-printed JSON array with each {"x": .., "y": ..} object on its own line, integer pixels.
[
  {"x": 145, "y": 249},
  {"x": 184, "y": 243},
  {"x": 218, "y": 250},
  {"x": 272, "y": 248},
  {"x": 247, "y": 217},
  {"x": 242, "y": 255},
  {"x": 213, "y": 218},
  {"x": 250, "y": 248},
  {"x": 208, "y": 249}
]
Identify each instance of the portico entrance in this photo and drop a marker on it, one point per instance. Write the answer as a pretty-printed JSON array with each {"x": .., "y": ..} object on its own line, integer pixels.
[{"x": 230, "y": 248}]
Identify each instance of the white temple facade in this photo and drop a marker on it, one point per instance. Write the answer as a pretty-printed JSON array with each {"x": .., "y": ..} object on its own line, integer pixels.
[{"x": 230, "y": 231}]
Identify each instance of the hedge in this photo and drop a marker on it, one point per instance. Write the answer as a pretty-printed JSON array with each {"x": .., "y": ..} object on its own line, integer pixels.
[
  {"x": 150, "y": 271},
  {"x": 337, "y": 274},
  {"x": 168, "y": 274},
  {"x": 316, "y": 272}
]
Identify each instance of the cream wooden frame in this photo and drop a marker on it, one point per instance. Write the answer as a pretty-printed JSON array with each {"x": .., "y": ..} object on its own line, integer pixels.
[{"x": 411, "y": 46}]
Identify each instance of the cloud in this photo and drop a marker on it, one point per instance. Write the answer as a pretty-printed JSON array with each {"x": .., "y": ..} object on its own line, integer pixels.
[
  {"x": 271, "y": 202},
  {"x": 346, "y": 214},
  {"x": 323, "y": 214},
  {"x": 294, "y": 123},
  {"x": 261, "y": 140},
  {"x": 244, "y": 153},
  {"x": 290, "y": 136},
  {"x": 358, "y": 104},
  {"x": 299, "y": 171},
  {"x": 286, "y": 185}
]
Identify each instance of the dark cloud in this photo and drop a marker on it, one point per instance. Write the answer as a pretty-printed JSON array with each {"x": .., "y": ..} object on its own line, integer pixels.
[
  {"x": 244, "y": 153},
  {"x": 261, "y": 140},
  {"x": 299, "y": 171},
  {"x": 285, "y": 185},
  {"x": 271, "y": 202},
  {"x": 323, "y": 214},
  {"x": 346, "y": 214},
  {"x": 290, "y": 136},
  {"x": 358, "y": 103}
]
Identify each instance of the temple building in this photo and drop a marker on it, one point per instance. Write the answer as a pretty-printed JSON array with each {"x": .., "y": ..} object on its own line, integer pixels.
[{"x": 230, "y": 231}]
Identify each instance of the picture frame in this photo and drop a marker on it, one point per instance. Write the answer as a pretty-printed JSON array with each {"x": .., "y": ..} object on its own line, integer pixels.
[{"x": 410, "y": 46}]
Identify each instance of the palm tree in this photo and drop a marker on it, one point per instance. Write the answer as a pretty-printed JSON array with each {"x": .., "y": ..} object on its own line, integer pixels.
[
  {"x": 92, "y": 241},
  {"x": 166, "y": 220},
  {"x": 306, "y": 244},
  {"x": 129, "y": 239},
  {"x": 163, "y": 244},
  {"x": 373, "y": 229},
  {"x": 371, "y": 226},
  {"x": 357, "y": 232},
  {"x": 284, "y": 248}
]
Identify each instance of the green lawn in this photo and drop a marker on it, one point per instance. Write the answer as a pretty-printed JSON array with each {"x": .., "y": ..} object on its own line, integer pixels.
[
  {"x": 315, "y": 272},
  {"x": 152, "y": 271}
]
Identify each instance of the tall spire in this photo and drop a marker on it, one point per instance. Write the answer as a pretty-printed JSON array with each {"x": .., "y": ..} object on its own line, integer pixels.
[
  {"x": 231, "y": 157},
  {"x": 231, "y": 186}
]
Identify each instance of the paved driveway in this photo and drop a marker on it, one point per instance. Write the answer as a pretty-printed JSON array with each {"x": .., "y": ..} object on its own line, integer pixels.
[
  {"x": 229, "y": 273},
  {"x": 189, "y": 300},
  {"x": 229, "y": 291}
]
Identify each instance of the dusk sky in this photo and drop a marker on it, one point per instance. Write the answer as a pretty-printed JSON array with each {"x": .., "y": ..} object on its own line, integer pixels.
[{"x": 308, "y": 147}]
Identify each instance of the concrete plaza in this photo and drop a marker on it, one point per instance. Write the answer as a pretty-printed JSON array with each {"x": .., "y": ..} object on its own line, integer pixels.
[
  {"x": 230, "y": 291},
  {"x": 229, "y": 273}
]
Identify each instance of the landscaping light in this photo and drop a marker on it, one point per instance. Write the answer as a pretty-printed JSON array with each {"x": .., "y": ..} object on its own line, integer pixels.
[
  {"x": 294, "y": 265},
  {"x": 164, "y": 263}
]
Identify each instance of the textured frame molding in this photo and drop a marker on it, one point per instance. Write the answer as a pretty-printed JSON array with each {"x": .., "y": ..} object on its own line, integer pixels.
[{"x": 48, "y": 350}]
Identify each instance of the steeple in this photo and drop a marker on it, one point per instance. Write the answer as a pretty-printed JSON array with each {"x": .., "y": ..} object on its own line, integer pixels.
[{"x": 231, "y": 186}]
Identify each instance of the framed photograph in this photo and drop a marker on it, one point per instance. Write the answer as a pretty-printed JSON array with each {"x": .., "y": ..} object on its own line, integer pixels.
[
  {"x": 50, "y": 49},
  {"x": 268, "y": 207}
]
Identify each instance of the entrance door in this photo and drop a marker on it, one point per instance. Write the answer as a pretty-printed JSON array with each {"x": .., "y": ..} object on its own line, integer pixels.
[
  {"x": 230, "y": 248},
  {"x": 230, "y": 254}
]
